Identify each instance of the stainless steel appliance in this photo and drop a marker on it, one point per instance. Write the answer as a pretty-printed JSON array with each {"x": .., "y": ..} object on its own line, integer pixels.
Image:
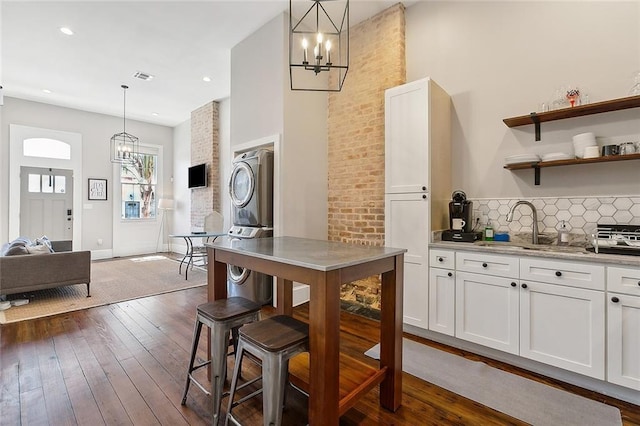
[
  {"x": 616, "y": 239},
  {"x": 244, "y": 282},
  {"x": 251, "y": 188}
]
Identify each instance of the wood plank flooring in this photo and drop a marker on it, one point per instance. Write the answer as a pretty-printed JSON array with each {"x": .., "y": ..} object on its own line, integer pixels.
[{"x": 125, "y": 364}]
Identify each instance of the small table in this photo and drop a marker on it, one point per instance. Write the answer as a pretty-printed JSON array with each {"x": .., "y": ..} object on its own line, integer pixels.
[
  {"x": 333, "y": 380},
  {"x": 190, "y": 250}
]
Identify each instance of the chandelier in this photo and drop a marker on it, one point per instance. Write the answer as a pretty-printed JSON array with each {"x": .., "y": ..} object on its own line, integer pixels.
[
  {"x": 124, "y": 147},
  {"x": 318, "y": 45}
]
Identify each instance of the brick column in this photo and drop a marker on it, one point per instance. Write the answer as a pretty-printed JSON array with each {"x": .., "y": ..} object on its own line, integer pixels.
[
  {"x": 205, "y": 142},
  {"x": 356, "y": 138}
]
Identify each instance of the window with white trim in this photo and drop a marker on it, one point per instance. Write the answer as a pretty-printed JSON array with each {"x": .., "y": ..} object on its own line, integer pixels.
[{"x": 138, "y": 182}]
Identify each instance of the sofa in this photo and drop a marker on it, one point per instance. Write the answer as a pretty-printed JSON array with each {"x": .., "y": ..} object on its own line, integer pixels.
[{"x": 28, "y": 272}]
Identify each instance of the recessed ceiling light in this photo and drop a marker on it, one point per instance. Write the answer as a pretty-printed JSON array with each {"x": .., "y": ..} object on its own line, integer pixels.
[
  {"x": 155, "y": 114},
  {"x": 207, "y": 79},
  {"x": 47, "y": 91},
  {"x": 65, "y": 30}
]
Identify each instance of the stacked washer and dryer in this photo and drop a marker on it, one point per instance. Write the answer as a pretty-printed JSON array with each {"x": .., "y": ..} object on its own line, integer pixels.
[{"x": 251, "y": 191}]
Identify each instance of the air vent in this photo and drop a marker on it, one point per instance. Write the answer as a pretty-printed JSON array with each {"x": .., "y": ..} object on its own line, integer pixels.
[{"x": 143, "y": 76}]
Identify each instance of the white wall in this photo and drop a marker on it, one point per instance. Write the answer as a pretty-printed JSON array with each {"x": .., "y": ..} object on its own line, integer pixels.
[
  {"x": 181, "y": 215},
  {"x": 262, "y": 105},
  {"x": 96, "y": 131},
  {"x": 502, "y": 59}
]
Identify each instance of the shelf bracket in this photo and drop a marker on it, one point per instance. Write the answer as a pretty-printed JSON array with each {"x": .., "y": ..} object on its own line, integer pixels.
[
  {"x": 536, "y": 124},
  {"x": 536, "y": 175}
]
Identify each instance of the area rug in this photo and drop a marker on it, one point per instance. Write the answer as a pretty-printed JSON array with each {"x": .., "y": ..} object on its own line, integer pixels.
[
  {"x": 524, "y": 399},
  {"x": 112, "y": 281}
]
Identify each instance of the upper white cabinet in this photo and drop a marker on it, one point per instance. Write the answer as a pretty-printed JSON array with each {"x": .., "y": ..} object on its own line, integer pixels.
[{"x": 418, "y": 144}]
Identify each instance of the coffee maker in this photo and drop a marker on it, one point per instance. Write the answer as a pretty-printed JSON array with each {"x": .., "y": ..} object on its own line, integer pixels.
[{"x": 460, "y": 219}]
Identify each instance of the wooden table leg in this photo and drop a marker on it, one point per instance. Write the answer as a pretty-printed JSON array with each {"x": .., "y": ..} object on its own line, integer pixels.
[
  {"x": 391, "y": 336},
  {"x": 324, "y": 344},
  {"x": 284, "y": 303}
]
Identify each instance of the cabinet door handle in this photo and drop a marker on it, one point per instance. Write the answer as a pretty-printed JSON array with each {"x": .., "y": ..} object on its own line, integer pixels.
[
  {"x": 558, "y": 274},
  {"x": 524, "y": 285},
  {"x": 424, "y": 188},
  {"x": 484, "y": 264},
  {"x": 513, "y": 284},
  {"x": 424, "y": 196},
  {"x": 449, "y": 274},
  {"x": 615, "y": 299},
  {"x": 638, "y": 282},
  {"x": 440, "y": 259}
]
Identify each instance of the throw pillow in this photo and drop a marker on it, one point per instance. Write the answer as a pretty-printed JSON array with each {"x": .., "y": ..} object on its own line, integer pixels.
[
  {"x": 16, "y": 248},
  {"x": 39, "y": 249}
]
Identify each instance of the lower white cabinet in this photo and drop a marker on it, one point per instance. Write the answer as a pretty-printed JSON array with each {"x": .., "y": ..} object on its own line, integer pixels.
[
  {"x": 563, "y": 326},
  {"x": 442, "y": 291},
  {"x": 623, "y": 327},
  {"x": 407, "y": 225},
  {"x": 487, "y": 310}
]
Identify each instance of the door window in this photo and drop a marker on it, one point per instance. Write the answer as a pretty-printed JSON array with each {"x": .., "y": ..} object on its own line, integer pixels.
[{"x": 138, "y": 182}]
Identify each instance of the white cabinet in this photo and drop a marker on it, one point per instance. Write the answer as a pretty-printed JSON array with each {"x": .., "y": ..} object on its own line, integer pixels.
[
  {"x": 407, "y": 226},
  {"x": 418, "y": 145},
  {"x": 562, "y": 317},
  {"x": 417, "y": 182},
  {"x": 623, "y": 327},
  {"x": 442, "y": 290},
  {"x": 563, "y": 326},
  {"x": 487, "y": 310}
]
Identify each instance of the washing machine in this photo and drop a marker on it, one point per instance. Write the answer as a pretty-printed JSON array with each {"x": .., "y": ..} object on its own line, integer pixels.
[
  {"x": 243, "y": 282},
  {"x": 251, "y": 188}
]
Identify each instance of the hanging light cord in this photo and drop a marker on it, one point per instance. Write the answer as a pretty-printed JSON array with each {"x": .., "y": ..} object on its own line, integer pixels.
[{"x": 124, "y": 109}]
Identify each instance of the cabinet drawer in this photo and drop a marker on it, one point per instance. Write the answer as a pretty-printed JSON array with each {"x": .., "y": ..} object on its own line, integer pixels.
[
  {"x": 571, "y": 274},
  {"x": 442, "y": 259},
  {"x": 490, "y": 264},
  {"x": 623, "y": 280}
]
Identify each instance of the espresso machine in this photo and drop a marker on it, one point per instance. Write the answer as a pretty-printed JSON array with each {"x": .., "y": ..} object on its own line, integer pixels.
[{"x": 460, "y": 219}]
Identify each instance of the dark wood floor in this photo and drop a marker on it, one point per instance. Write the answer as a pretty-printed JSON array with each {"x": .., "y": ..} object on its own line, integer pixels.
[{"x": 125, "y": 364}]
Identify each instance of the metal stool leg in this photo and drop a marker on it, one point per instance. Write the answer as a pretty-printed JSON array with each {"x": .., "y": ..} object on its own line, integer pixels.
[
  {"x": 234, "y": 381},
  {"x": 219, "y": 340},
  {"x": 274, "y": 378},
  {"x": 194, "y": 349}
]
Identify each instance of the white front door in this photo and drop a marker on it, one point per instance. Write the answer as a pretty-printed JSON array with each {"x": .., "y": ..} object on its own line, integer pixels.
[{"x": 46, "y": 203}]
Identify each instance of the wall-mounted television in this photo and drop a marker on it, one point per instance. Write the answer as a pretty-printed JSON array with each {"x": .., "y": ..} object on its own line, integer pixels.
[{"x": 198, "y": 176}]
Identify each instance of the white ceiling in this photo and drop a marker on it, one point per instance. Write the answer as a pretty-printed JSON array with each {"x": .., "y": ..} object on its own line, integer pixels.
[{"x": 177, "y": 42}]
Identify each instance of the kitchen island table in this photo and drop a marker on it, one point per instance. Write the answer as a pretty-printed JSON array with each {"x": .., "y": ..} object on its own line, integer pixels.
[{"x": 333, "y": 381}]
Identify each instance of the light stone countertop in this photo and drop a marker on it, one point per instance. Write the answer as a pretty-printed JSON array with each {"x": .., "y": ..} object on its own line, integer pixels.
[
  {"x": 547, "y": 251},
  {"x": 319, "y": 255}
]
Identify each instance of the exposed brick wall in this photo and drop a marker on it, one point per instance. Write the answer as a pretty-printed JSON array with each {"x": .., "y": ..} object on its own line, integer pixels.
[
  {"x": 205, "y": 144},
  {"x": 356, "y": 139},
  {"x": 356, "y": 128}
]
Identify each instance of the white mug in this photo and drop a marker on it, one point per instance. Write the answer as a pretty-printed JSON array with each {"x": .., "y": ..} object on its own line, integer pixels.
[{"x": 458, "y": 224}]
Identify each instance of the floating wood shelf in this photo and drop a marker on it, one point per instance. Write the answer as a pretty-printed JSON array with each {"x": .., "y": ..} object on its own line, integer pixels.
[
  {"x": 578, "y": 111},
  {"x": 537, "y": 165}
]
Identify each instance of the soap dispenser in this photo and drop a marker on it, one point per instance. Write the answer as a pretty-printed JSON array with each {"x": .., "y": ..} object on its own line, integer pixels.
[
  {"x": 563, "y": 235},
  {"x": 488, "y": 231}
]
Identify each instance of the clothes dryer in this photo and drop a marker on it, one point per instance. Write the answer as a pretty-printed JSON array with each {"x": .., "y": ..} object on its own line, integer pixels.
[
  {"x": 243, "y": 282},
  {"x": 251, "y": 188}
]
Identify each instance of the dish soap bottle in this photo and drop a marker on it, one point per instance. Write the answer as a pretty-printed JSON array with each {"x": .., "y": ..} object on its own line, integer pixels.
[
  {"x": 563, "y": 235},
  {"x": 488, "y": 231}
]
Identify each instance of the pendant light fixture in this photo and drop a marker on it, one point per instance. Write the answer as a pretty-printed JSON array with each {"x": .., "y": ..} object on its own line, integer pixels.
[
  {"x": 124, "y": 147},
  {"x": 318, "y": 44}
]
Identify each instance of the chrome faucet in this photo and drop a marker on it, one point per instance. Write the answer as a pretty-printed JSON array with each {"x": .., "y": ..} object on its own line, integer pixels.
[{"x": 534, "y": 236}]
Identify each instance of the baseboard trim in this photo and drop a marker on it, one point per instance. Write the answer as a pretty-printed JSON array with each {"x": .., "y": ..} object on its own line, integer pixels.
[{"x": 101, "y": 254}]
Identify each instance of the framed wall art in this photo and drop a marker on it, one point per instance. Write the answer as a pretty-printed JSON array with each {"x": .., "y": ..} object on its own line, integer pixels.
[{"x": 97, "y": 189}]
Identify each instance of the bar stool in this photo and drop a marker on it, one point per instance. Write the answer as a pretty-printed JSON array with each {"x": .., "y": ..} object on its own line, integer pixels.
[
  {"x": 222, "y": 317},
  {"x": 274, "y": 341}
]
